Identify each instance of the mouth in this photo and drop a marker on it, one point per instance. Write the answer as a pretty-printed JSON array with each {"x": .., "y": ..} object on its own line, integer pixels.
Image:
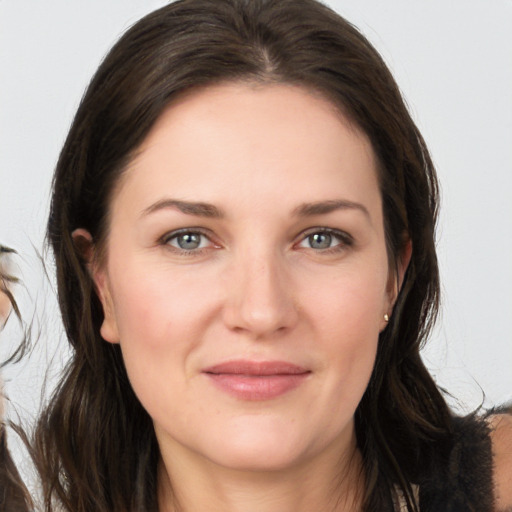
[{"x": 256, "y": 380}]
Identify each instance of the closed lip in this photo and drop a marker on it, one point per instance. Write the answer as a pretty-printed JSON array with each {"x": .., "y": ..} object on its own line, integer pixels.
[
  {"x": 256, "y": 368},
  {"x": 256, "y": 380}
]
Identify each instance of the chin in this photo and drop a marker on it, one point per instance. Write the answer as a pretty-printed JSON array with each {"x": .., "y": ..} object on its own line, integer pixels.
[
  {"x": 259, "y": 446},
  {"x": 258, "y": 458}
]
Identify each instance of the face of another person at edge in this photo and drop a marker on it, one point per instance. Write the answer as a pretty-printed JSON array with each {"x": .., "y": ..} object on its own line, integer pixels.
[
  {"x": 5, "y": 302},
  {"x": 247, "y": 277},
  {"x": 5, "y": 308}
]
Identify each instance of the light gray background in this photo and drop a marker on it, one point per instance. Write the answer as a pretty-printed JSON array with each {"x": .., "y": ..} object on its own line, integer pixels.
[{"x": 453, "y": 61}]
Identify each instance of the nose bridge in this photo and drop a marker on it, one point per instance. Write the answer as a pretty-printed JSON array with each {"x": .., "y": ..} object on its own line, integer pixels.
[{"x": 260, "y": 297}]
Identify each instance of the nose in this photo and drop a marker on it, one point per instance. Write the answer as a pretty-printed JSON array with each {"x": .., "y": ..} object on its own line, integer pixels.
[{"x": 260, "y": 299}]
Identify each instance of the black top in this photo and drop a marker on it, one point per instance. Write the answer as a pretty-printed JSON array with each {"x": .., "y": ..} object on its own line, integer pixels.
[{"x": 464, "y": 483}]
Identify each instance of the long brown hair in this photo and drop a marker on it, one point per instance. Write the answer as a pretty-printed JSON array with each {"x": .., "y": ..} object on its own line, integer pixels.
[{"x": 96, "y": 449}]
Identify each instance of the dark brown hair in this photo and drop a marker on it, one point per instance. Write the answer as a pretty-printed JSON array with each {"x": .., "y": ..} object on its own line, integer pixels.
[{"x": 96, "y": 446}]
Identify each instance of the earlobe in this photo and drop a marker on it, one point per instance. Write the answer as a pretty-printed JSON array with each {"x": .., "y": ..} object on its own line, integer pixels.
[
  {"x": 108, "y": 329},
  {"x": 84, "y": 245}
]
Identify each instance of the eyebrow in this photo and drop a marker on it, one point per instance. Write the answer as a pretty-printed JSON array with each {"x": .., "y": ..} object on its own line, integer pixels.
[
  {"x": 187, "y": 207},
  {"x": 201, "y": 209},
  {"x": 325, "y": 207}
]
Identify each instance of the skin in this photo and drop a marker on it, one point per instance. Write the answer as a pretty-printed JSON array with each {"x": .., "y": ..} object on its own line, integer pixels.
[
  {"x": 5, "y": 303},
  {"x": 257, "y": 288},
  {"x": 5, "y": 308},
  {"x": 502, "y": 453}
]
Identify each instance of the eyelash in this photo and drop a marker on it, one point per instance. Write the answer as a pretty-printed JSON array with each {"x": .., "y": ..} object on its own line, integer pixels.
[{"x": 345, "y": 240}]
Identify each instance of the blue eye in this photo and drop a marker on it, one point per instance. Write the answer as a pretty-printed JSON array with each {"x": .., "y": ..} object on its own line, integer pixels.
[
  {"x": 325, "y": 239},
  {"x": 187, "y": 240},
  {"x": 320, "y": 240}
]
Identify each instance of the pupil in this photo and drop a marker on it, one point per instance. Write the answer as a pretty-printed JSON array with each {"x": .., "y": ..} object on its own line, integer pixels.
[
  {"x": 189, "y": 241},
  {"x": 320, "y": 241}
]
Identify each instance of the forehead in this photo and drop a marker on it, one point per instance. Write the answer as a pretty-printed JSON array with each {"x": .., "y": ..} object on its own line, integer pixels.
[{"x": 273, "y": 140}]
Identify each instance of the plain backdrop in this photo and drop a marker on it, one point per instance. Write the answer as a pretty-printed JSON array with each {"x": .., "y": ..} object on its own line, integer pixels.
[{"x": 453, "y": 62}]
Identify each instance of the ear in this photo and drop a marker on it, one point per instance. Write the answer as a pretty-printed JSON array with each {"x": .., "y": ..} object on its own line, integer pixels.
[
  {"x": 84, "y": 245},
  {"x": 403, "y": 264},
  {"x": 396, "y": 278}
]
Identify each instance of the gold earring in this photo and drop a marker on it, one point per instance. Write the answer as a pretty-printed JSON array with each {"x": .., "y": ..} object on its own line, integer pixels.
[{"x": 386, "y": 317}]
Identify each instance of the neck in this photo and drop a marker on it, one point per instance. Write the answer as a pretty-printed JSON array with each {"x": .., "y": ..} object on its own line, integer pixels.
[{"x": 329, "y": 483}]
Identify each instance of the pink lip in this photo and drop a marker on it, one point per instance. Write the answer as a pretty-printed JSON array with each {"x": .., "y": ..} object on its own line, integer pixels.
[{"x": 251, "y": 380}]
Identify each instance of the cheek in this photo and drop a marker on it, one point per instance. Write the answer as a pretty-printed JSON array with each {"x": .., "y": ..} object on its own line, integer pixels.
[
  {"x": 157, "y": 307},
  {"x": 156, "y": 319},
  {"x": 350, "y": 304},
  {"x": 161, "y": 315},
  {"x": 347, "y": 315}
]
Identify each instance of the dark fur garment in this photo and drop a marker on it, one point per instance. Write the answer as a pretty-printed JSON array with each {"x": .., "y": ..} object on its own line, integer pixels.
[{"x": 463, "y": 481}]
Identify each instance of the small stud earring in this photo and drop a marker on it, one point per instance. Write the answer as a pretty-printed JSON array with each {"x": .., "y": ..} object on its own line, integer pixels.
[{"x": 386, "y": 317}]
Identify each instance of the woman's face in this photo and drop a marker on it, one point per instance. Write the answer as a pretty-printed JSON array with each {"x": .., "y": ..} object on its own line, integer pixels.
[{"x": 246, "y": 276}]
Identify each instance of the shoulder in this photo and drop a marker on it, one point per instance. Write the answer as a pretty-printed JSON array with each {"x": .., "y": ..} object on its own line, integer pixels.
[
  {"x": 501, "y": 437},
  {"x": 459, "y": 474}
]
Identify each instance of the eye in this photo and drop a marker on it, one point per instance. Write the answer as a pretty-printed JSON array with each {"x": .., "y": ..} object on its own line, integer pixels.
[
  {"x": 187, "y": 240},
  {"x": 320, "y": 240},
  {"x": 325, "y": 239}
]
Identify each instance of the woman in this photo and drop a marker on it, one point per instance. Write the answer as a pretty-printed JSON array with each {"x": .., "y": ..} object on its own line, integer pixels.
[
  {"x": 13, "y": 494},
  {"x": 7, "y": 301},
  {"x": 243, "y": 223}
]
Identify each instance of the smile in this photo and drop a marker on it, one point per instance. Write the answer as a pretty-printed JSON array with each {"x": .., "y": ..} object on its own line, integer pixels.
[{"x": 249, "y": 380}]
